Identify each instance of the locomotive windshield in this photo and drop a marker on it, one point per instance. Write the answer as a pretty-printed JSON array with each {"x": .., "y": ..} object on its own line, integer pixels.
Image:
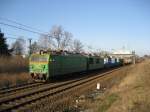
[{"x": 39, "y": 58}]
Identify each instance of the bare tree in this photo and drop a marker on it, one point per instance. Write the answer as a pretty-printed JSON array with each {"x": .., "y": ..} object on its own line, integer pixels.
[
  {"x": 57, "y": 34},
  {"x": 61, "y": 38},
  {"x": 18, "y": 46},
  {"x": 77, "y": 46},
  {"x": 45, "y": 42},
  {"x": 57, "y": 39},
  {"x": 66, "y": 40}
]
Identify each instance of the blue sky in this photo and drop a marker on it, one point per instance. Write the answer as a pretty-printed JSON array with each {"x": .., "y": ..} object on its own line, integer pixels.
[{"x": 104, "y": 24}]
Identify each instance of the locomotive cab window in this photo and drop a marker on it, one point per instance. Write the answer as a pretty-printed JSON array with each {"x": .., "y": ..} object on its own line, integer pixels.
[
  {"x": 39, "y": 58},
  {"x": 91, "y": 60}
]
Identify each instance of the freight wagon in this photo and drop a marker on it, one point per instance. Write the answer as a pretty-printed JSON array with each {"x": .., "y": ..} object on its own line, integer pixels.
[{"x": 110, "y": 62}]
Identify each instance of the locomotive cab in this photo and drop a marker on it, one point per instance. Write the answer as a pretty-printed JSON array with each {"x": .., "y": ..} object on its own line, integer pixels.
[{"x": 38, "y": 66}]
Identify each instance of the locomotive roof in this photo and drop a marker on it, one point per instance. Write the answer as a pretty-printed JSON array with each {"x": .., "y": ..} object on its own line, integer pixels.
[{"x": 66, "y": 54}]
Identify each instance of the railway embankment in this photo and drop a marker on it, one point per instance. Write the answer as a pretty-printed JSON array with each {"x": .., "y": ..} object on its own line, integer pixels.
[{"x": 128, "y": 94}]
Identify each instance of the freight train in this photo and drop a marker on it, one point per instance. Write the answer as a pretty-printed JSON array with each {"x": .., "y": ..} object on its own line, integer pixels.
[{"x": 45, "y": 66}]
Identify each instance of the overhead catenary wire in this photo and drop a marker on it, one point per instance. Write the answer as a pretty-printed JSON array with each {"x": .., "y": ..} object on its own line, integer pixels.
[
  {"x": 17, "y": 27},
  {"x": 29, "y": 39},
  {"x": 22, "y": 27},
  {"x": 11, "y": 38},
  {"x": 34, "y": 30},
  {"x": 16, "y": 36},
  {"x": 8, "y": 37},
  {"x": 20, "y": 24},
  {"x": 13, "y": 35}
]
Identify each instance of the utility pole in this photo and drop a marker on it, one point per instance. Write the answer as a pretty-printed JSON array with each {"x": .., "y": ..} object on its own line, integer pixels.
[{"x": 30, "y": 46}]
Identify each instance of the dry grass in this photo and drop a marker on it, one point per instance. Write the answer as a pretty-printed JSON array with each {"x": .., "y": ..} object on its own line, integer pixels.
[
  {"x": 136, "y": 90},
  {"x": 9, "y": 80},
  {"x": 133, "y": 91},
  {"x": 109, "y": 100},
  {"x": 13, "y": 71},
  {"x": 15, "y": 64}
]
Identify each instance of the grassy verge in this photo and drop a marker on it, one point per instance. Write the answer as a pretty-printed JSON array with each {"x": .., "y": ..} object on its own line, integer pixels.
[
  {"x": 13, "y": 71},
  {"x": 109, "y": 100},
  {"x": 132, "y": 94}
]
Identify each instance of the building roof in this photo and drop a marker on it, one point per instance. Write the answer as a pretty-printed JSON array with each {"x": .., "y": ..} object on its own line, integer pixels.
[{"x": 122, "y": 51}]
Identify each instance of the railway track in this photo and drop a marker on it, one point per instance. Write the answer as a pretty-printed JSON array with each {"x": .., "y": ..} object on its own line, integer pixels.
[
  {"x": 23, "y": 88},
  {"x": 6, "y": 100},
  {"x": 21, "y": 100},
  {"x": 13, "y": 90},
  {"x": 13, "y": 87}
]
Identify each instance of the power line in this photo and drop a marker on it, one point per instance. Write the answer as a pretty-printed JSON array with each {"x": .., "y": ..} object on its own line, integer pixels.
[
  {"x": 22, "y": 28},
  {"x": 17, "y": 36},
  {"x": 23, "y": 40},
  {"x": 14, "y": 38},
  {"x": 12, "y": 21},
  {"x": 11, "y": 38},
  {"x": 13, "y": 35}
]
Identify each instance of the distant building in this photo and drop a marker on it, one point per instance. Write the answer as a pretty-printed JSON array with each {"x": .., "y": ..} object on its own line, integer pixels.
[{"x": 124, "y": 54}]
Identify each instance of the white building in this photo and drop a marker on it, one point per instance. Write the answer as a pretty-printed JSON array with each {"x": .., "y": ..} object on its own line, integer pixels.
[{"x": 124, "y": 54}]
